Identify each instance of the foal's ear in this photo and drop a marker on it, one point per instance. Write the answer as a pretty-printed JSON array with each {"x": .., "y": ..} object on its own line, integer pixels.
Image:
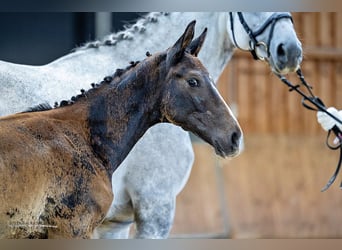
[
  {"x": 177, "y": 51},
  {"x": 196, "y": 45}
]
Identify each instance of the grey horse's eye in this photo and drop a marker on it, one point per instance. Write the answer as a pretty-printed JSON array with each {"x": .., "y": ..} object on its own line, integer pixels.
[{"x": 193, "y": 82}]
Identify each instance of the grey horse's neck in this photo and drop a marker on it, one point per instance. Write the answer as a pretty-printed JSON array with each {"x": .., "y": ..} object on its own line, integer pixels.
[{"x": 150, "y": 33}]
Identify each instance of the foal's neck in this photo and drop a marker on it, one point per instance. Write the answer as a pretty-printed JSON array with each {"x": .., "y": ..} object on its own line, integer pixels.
[{"x": 120, "y": 113}]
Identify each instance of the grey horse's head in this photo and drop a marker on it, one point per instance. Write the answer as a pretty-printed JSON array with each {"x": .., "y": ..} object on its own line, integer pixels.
[{"x": 270, "y": 36}]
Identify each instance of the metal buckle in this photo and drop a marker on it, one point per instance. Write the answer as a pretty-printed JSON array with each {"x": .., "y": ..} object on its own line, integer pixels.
[{"x": 259, "y": 44}]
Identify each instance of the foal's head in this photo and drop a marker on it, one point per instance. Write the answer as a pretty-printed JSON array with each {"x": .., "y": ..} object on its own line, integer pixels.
[{"x": 192, "y": 101}]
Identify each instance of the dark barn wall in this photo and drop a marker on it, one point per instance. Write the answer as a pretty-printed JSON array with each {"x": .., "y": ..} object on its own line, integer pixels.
[{"x": 38, "y": 38}]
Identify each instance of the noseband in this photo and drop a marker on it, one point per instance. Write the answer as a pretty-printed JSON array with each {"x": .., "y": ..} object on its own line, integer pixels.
[{"x": 254, "y": 43}]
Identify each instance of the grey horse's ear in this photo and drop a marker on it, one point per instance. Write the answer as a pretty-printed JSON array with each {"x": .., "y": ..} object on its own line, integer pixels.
[
  {"x": 176, "y": 52},
  {"x": 196, "y": 45}
]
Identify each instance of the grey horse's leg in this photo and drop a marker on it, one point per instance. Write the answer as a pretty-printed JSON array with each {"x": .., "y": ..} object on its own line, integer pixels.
[
  {"x": 118, "y": 221},
  {"x": 120, "y": 216},
  {"x": 154, "y": 218},
  {"x": 113, "y": 230}
]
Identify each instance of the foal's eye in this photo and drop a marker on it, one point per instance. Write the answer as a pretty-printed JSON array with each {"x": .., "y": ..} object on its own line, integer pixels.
[{"x": 193, "y": 82}]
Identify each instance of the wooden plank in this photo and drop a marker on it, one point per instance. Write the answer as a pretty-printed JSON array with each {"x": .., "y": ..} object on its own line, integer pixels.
[
  {"x": 294, "y": 112},
  {"x": 259, "y": 96},
  {"x": 243, "y": 94},
  {"x": 310, "y": 71},
  {"x": 338, "y": 91},
  {"x": 310, "y": 28},
  {"x": 324, "y": 84},
  {"x": 338, "y": 65},
  {"x": 297, "y": 21},
  {"x": 323, "y": 53},
  {"x": 223, "y": 83},
  {"x": 227, "y": 85},
  {"x": 338, "y": 29},
  {"x": 325, "y": 34},
  {"x": 278, "y": 113}
]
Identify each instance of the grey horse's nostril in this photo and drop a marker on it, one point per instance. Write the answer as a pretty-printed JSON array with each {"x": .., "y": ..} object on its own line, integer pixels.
[
  {"x": 289, "y": 53},
  {"x": 280, "y": 50}
]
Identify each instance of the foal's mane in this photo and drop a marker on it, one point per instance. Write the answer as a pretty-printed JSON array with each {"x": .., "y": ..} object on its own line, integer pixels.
[
  {"x": 128, "y": 33},
  {"x": 114, "y": 79}
]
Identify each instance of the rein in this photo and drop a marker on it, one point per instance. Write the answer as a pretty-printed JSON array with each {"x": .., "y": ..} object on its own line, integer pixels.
[
  {"x": 312, "y": 102},
  {"x": 254, "y": 43}
]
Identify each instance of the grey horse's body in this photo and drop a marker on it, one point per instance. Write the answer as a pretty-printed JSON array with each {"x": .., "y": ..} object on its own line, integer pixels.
[{"x": 147, "y": 182}]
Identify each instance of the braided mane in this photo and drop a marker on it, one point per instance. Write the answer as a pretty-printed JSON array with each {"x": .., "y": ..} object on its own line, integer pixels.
[
  {"x": 40, "y": 107},
  {"x": 127, "y": 34}
]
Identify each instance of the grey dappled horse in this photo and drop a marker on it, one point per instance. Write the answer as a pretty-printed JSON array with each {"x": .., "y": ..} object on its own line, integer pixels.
[{"x": 155, "y": 171}]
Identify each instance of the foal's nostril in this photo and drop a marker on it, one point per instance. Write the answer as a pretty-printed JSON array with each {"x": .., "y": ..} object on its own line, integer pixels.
[{"x": 235, "y": 138}]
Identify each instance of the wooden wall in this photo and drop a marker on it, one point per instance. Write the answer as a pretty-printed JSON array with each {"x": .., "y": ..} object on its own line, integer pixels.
[{"x": 273, "y": 188}]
